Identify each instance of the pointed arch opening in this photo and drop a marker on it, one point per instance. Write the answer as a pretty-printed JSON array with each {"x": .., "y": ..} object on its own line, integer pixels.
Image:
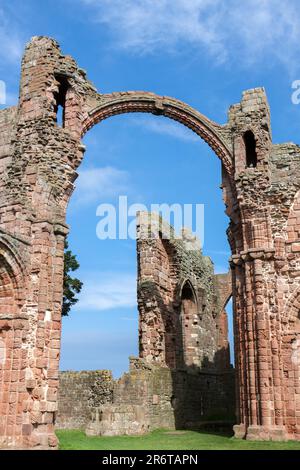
[{"x": 189, "y": 324}]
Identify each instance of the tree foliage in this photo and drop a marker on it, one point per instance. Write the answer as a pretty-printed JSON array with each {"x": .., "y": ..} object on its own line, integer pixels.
[{"x": 72, "y": 285}]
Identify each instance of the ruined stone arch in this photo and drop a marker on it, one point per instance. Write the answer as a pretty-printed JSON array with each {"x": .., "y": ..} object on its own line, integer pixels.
[
  {"x": 39, "y": 160},
  {"x": 186, "y": 281},
  {"x": 189, "y": 323},
  {"x": 145, "y": 102},
  {"x": 292, "y": 312},
  {"x": 12, "y": 272},
  {"x": 13, "y": 327},
  {"x": 227, "y": 300}
]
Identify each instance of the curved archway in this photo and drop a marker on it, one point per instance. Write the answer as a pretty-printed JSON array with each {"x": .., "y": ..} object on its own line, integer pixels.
[
  {"x": 188, "y": 313},
  {"x": 186, "y": 283},
  {"x": 37, "y": 178},
  {"x": 13, "y": 325},
  {"x": 11, "y": 271},
  {"x": 145, "y": 102},
  {"x": 292, "y": 311}
]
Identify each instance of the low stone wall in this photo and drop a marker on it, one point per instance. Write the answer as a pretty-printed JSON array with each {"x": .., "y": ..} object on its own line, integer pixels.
[
  {"x": 79, "y": 393},
  {"x": 150, "y": 397},
  {"x": 145, "y": 398},
  {"x": 177, "y": 398}
]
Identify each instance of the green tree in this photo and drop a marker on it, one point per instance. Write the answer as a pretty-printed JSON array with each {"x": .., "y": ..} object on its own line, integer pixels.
[{"x": 72, "y": 285}]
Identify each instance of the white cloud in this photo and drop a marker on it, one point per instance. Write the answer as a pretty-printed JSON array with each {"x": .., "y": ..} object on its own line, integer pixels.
[
  {"x": 105, "y": 291},
  {"x": 129, "y": 318},
  {"x": 10, "y": 39},
  {"x": 99, "y": 184},
  {"x": 244, "y": 32},
  {"x": 165, "y": 127},
  {"x": 147, "y": 25},
  {"x": 11, "y": 99}
]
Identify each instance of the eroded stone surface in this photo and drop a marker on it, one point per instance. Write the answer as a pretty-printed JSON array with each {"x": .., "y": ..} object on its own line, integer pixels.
[
  {"x": 38, "y": 163},
  {"x": 183, "y": 375},
  {"x": 79, "y": 393}
]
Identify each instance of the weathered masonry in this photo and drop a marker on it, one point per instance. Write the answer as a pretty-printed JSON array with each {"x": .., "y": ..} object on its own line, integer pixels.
[
  {"x": 182, "y": 377},
  {"x": 38, "y": 163},
  {"x": 182, "y": 317},
  {"x": 79, "y": 394}
]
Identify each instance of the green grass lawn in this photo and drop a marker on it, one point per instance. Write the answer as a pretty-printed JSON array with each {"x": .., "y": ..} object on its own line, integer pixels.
[{"x": 166, "y": 440}]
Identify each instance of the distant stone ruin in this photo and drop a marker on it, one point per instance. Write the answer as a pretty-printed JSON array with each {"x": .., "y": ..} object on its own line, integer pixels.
[{"x": 182, "y": 377}]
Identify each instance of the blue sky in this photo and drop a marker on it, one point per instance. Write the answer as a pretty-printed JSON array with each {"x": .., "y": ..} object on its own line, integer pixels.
[{"x": 204, "y": 52}]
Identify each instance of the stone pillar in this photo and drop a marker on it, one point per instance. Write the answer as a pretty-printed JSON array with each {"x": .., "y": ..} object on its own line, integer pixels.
[
  {"x": 37, "y": 183},
  {"x": 257, "y": 328}
]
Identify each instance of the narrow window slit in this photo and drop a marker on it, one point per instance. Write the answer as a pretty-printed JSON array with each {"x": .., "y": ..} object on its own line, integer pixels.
[
  {"x": 250, "y": 146},
  {"x": 60, "y": 99}
]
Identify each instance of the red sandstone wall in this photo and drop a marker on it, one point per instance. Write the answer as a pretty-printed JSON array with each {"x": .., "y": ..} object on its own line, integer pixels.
[
  {"x": 181, "y": 304},
  {"x": 38, "y": 163}
]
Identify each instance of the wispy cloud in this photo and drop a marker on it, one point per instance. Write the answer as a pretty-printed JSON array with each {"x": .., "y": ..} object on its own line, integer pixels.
[
  {"x": 99, "y": 185},
  {"x": 165, "y": 127},
  {"x": 148, "y": 25},
  {"x": 249, "y": 31},
  {"x": 11, "y": 99},
  {"x": 105, "y": 291},
  {"x": 11, "y": 40},
  {"x": 129, "y": 318}
]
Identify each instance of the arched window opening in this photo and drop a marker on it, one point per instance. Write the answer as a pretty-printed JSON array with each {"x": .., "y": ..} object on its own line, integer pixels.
[
  {"x": 228, "y": 334},
  {"x": 187, "y": 293},
  {"x": 60, "y": 99},
  {"x": 176, "y": 325},
  {"x": 189, "y": 320},
  {"x": 250, "y": 146}
]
